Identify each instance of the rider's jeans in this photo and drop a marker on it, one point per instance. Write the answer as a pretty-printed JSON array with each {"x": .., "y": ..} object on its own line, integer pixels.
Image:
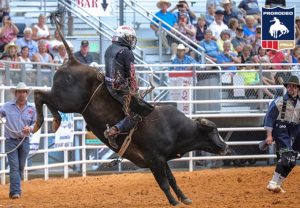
[{"x": 16, "y": 161}]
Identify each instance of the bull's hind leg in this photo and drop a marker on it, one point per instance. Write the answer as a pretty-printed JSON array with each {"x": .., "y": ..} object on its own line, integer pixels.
[
  {"x": 175, "y": 188},
  {"x": 159, "y": 171},
  {"x": 40, "y": 98}
]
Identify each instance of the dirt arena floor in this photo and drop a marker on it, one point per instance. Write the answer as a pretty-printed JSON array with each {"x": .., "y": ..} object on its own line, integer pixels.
[{"x": 215, "y": 188}]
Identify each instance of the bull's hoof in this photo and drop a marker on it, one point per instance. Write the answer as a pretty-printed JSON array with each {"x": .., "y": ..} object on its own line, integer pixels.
[
  {"x": 55, "y": 124},
  {"x": 187, "y": 201}
]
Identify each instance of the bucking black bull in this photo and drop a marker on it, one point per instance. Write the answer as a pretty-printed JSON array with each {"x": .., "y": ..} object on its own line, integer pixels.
[{"x": 163, "y": 135}]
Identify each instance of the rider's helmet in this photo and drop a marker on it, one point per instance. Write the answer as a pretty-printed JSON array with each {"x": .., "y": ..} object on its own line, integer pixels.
[{"x": 126, "y": 36}]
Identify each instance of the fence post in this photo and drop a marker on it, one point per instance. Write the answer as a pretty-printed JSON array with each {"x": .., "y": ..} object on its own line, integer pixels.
[
  {"x": 2, "y": 145},
  {"x": 191, "y": 162},
  {"x": 260, "y": 91},
  {"x": 7, "y": 74},
  {"x": 83, "y": 152},
  {"x": 46, "y": 154},
  {"x": 66, "y": 167}
]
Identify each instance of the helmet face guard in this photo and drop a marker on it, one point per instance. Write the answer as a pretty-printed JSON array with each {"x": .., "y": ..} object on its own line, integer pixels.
[{"x": 127, "y": 34}]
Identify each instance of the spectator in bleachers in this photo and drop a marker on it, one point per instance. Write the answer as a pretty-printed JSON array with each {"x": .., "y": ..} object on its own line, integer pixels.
[
  {"x": 183, "y": 8},
  {"x": 210, "y": 14},
  {"x": 246, "y": 56},
  {"x": 11, "y": 54},
  {"x": 215, "y": 3},
  {"x": 228, "y": 57},
  {"x": 200, "y": 28},
  {"x": 239, "y": 41},
  {"x": 250, "y": 7},
  {"x": 42, "y": 55},
  {"x": 182, "y": 58},
  {"x": 24, "y": 57},
  {"x": 225, "y": 35},
  {"x": 232, "y": 26},
  {"x": 186, "y": 28},
  {"x": 8, "y": 32},
  {"x": 297, "y": 27},
  {"x": 40, "y": 31},
  {"x": 55, "y": 43},
  {"x": 295, "y": 54},
  {"x": 167, "y": 17},
  {"x": 276, "y": 57},
  {"x": 218, "y": 25},
  {"x": 275, "y": 3},
  {"x": 27, "y": 41},
  {"x": 83, "y": 55},
  {"x": 261, "y": 56},
  {"x": 249, "y": 27},
  {"x": 210, "y": 46},
  {"x": 4, "y": 9},
  {"x": 62, "y": 55},
  {"x": 255, "y": 40},
  {"x": 230, "y": 13}
]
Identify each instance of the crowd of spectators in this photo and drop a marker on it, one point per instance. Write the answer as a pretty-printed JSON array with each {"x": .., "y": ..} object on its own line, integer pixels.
[{"x": 229, "y": 32}]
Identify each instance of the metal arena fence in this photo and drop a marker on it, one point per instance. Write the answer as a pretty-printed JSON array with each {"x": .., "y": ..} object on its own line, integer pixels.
[{"x": 201, "y": 91}]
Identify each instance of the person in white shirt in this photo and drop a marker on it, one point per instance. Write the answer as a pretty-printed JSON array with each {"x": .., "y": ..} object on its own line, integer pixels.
[
  {"x": 218, "y": 25},
  {"x": 55, "y": 43}
]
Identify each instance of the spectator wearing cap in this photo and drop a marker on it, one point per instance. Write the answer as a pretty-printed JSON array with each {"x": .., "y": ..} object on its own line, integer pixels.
[
  {"x": 233, "y": 25},
  {"x": 210, "y": 46},
  {"x": 167, "y": 17},
  {"x": 275, "y": 3},
  {"x": 239, "y": 41},
  {"x": 55, "y": 43},
  {"x": 20, "y": 118},
  {"x": 210, "y": 14},
  {"x": 225, "y": 35},
  {"x": 83, "y": 55},
  {"x": 229, "y": 13},
  {"x": 200, "y": 28},
  {"x": 4, "y": 8},
  {"x": 228, "y": 57},
  {"x": 8, "y": 32},
  {"x": 183, "y": 8},
  {"x": 182, "y": 58},
  {"x": 250, "y": 7},
  {"x": 40, "y": 31},
  {"x": 218, "y": 25},
  {"x": 27, "y": 41}
]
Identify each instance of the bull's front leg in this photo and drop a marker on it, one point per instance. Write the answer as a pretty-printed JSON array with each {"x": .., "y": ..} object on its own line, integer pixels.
[
  {"x": 40, "y": 98},
  {"x": 38, "y": 101}
]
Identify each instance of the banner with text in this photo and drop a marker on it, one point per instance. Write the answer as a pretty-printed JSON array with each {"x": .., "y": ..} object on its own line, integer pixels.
[
  {"x": 65, "y": 133},
  {"x": 97, "y": 8}
]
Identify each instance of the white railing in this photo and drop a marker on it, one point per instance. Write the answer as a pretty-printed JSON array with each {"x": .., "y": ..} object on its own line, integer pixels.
[{"x": 46, "y": 166}]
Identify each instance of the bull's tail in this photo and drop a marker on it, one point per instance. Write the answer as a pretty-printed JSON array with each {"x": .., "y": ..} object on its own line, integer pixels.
[{"x": 54, "y": 20}]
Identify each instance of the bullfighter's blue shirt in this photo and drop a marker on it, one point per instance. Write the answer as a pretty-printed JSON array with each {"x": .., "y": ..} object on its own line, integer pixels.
[{"x": 17, "y": 119}]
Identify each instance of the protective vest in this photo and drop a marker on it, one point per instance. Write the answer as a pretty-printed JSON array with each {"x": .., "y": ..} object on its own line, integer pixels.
[{"x": 289, "y": 112}]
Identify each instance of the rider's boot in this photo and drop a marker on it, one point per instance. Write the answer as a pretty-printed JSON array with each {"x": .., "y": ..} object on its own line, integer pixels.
[{"x": 111, "y": 134}]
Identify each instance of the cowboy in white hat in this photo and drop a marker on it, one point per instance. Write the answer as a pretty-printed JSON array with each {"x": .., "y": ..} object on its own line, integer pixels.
[
  {"x": 182, "y": 58},
  {"x": 20, "y": 118}
]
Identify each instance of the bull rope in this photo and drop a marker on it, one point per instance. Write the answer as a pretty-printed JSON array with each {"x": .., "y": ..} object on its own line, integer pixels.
[
  {"x": 10, "y": 151},
  {"x": 91, "y": 98}
]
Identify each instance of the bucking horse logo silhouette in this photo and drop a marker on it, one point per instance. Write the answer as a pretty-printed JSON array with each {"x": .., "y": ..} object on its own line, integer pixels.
[{"x": 277, "y": 29}]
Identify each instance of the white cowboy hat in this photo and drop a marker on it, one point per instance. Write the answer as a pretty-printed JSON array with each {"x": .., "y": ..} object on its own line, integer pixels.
[
  {"x": 182, "y": 47},
  {"x": 158, "y": 4},
  {"x": 20, "y": 86},
  {"x": 226, "y": 2},
  {"x": 9, "y": 45}
]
